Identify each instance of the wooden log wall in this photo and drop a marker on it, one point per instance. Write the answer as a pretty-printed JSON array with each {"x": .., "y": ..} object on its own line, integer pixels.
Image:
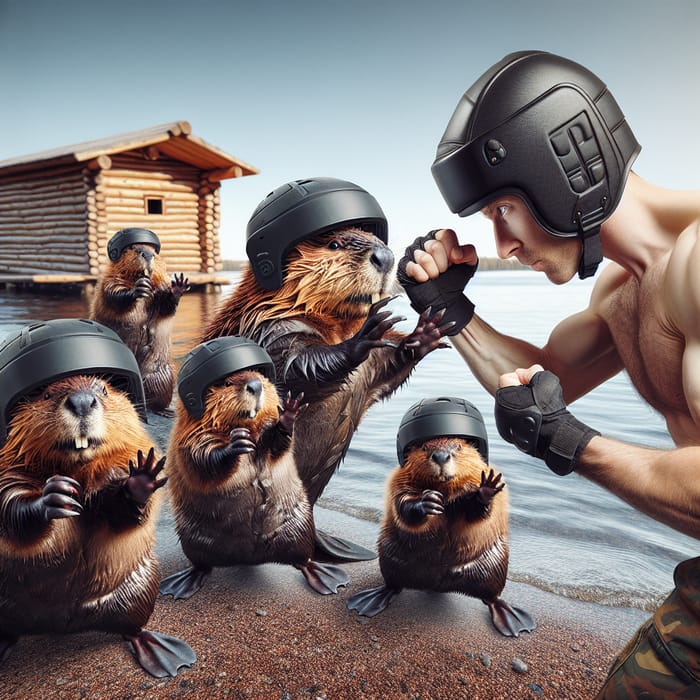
[
  {"x": 43, "y": 219},
  {"x": 120, "y": 195}
]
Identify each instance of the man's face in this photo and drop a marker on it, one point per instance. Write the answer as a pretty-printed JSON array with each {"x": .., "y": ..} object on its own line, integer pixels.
[{"x": 517, "y": 234}]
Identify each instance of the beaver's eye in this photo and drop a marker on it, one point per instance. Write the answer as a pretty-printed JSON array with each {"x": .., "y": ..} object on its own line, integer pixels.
[
  {"x": 47, "y": 395},
  {"x": 334, "y": 245},
  {"x": 104, "y": 390}
]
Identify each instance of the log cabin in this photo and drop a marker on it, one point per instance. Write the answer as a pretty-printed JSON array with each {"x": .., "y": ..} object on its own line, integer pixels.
[{"x": 59, "y": 208}]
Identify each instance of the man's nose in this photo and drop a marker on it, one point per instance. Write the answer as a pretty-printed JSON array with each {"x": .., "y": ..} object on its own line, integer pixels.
[{"x": 506, "y": 243}]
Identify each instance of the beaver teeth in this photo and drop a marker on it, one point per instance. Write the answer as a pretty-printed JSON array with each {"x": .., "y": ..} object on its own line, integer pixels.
[
  {"x": 81, "y": 443},
  {"x": 376, "y": 297}
]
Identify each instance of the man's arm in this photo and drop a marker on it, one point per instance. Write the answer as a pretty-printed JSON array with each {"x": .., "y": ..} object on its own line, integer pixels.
[
  {"x": 663, "y": 484},
  {"x": 580, "y": 349}
]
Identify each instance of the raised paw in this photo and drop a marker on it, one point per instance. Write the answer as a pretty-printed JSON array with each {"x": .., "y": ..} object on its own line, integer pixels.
[
  {"x": 290, "y": 410},
  {"x": 427, "y": 335},
  {"x": 373, "y": 329},
  {"x": 241, "y": 441},
  {"x": 61, "y": 498},
  {"x": 143, "y": 477},
  {"x": 491, "y": 484},
  {"x": 180, "y": 284}
]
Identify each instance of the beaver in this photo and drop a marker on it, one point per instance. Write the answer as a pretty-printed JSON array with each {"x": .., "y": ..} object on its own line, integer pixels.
[
  {"x": 79, "y": 493},
  {"x": 325, "y": 327},
  {"x": 78, "y": 500},
  {"x": 445, "y": 525},
  {"x": 234, "y": 487},
  {"x": 135, "y": 297}
]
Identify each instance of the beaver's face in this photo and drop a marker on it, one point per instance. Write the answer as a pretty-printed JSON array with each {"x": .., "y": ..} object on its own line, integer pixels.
[
  {"x": 138, "y": 260},
  {"x": 444, "y": 459},
  {"x": 340, "y": 273},
  {"x": 66, "y": 422},
  {"x": 242, "y": 399}
]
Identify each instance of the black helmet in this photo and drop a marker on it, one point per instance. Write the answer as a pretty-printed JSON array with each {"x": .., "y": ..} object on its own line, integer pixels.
[
  {"x": 128, "y": 236},
  {"x": 445, "y": 416},
  {"x": 545, "y": 128},
  {"x": 302, "y": 209},
  {"x": 215, "y": 359},
  {"x": 44, "y": 352}
]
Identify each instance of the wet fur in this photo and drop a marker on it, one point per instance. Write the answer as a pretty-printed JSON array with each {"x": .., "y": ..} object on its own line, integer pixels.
[
  {"x": 85, "y": 572},
  {"x": 464, "y": 549},
  {"x": 144, "y": 324},
  {"x": 325, "y": 299},
  {"x": 252, "y": 510}
]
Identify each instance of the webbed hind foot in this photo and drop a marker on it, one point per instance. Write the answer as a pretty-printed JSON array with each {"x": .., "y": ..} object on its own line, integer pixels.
[
  {"x": 185, "y": 583},
  {"x": 323, "y": 578},
  {"x": 160, "y": 654},
  {"x": 339, "y": 549},
  {"x": 509, "y": 621},
  {"x": 372, "y": 601}
]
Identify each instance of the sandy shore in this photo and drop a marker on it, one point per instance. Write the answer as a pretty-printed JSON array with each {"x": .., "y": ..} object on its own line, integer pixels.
[{"x": 260, "y": 632}]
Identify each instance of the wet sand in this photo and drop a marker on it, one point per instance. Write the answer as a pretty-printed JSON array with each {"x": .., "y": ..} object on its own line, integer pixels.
[{"x": 260, "y": 632}]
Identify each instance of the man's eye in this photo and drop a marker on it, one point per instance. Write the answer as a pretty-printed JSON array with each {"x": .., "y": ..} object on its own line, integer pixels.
[{"x": 502, "y": 209}]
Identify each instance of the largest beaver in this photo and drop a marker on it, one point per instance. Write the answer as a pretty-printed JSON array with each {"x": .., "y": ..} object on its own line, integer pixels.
[
  {"x": 79, "y": 492},
  {"x": 313, "y": 297},
  {"x": 135, "y": 298}
]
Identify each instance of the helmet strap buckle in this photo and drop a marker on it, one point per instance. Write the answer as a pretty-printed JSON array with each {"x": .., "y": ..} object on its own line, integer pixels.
[{"x": 592, "y": 254}]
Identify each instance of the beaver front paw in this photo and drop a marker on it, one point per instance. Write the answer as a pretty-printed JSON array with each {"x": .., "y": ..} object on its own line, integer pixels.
[
  {"x": 371, "y": 334},
  {"x": 143, "y": 477},
  {"x": 491, "y": 484},
  {"x": 60, "y": 498},
  {"x": 427, "y": 335},
  {"x": 290, "y": 410},
  {"x": 143, "y": 288},
  {"x": 180, "y": 285},
  {"x": 241, "y": 442}
]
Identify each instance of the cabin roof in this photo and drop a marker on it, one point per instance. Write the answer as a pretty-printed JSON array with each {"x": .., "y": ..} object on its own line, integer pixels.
[{"x": 173, "y": 140}]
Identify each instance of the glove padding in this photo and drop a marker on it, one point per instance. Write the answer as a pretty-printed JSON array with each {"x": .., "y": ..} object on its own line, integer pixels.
[
  {"x": 445, "y": 292},
  {"x": 534, "y": 418}
]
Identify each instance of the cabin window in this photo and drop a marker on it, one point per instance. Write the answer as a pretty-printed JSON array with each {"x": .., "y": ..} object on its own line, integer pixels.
[{"x": 154, "y": 205}]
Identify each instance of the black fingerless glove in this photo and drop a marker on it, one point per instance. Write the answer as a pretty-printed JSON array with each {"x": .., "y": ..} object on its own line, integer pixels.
[
  {"x": 534, "y": 418},
  {"x": 445, "y": 292}
]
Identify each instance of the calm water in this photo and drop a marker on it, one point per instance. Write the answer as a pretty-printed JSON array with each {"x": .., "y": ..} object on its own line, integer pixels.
[{"x": 568, "y": 535}]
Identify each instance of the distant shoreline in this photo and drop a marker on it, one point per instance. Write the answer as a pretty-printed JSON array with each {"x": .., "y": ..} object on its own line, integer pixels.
[{"x": 484, "y": 264}]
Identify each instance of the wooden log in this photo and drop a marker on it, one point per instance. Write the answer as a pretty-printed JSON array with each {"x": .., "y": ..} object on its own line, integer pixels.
[
  {"x": 102, "y": 162},
  {"x": 40, "y": 175}
]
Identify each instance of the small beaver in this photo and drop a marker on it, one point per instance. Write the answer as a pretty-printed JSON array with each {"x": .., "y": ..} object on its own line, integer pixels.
[
  {"x": 79, "y": 493},
  {"x": 445, "y": 525},
  {"x": 325, "y": 327},
  {"x": 135, "y": 298},
  {"x": 234, "y": 486}
]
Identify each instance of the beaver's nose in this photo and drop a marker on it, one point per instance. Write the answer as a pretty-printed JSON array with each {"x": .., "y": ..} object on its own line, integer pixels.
[
  {"x": 254, "y": 386},
  {"x": 382, "y": 258},
  {"x": 441, "y": 457},
  {"x": 81, "y": 402}
]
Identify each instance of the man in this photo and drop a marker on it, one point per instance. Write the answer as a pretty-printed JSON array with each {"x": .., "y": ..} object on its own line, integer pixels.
[{"x": 540, "y": 147}]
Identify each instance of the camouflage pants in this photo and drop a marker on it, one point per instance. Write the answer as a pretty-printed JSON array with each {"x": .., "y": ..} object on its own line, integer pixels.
[{"x": 663, "y": 659}]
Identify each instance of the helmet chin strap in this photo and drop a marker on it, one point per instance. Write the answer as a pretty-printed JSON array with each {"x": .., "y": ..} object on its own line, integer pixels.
[{"x": 592, "y": 253}]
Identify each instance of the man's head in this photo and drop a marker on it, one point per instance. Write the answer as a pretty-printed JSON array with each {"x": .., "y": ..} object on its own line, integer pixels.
[{"x": 546, "y": 129}]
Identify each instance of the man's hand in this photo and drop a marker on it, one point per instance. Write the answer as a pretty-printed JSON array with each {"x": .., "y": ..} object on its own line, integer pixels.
[
  {"x": 531, "y": 414},
  {"x": 434, "y": 271}
]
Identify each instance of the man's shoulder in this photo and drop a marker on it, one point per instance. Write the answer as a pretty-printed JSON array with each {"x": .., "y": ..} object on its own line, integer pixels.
[{"x": 608, "y": 282}]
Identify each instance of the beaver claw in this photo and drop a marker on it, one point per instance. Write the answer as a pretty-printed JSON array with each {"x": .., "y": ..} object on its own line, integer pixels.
[
  {"x": 142, "y": 480},
  {"x": 143, "y": 288},
  {"x": 427, "y": 335},
  {"x": 370, "y": 335},
  {"x": 241, "y": 442},
  {"x": 59, "y": 498},
  {"x": 180, "y": 284}
]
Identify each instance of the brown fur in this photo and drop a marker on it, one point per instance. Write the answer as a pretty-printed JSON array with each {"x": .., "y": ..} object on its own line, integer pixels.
[
  {"x": 329, "y": 285},
  {"x": 50, "y": 582},
  {"x": 145, "y": 323},
  {"x": 425, "y": 555},
  {"x": 254, "y": 508}
]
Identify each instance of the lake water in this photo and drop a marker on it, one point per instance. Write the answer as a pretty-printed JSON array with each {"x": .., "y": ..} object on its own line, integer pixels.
[{"x": 567, "y": 535}]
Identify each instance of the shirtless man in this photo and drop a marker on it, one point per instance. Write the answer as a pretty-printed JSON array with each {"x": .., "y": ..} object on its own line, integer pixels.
[{"x": 541, "y": 148}]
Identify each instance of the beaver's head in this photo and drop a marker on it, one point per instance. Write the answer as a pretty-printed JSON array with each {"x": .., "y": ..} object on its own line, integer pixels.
[
  {"x": 245, "y": 399},
  {"x": 444, "y": 461},
  {"x": 69, "y": 423},
  {"x": 140, "y": 260}
]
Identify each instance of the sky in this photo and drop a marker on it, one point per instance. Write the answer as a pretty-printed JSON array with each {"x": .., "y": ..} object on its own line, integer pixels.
[{"x": 356, "y": 89}]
